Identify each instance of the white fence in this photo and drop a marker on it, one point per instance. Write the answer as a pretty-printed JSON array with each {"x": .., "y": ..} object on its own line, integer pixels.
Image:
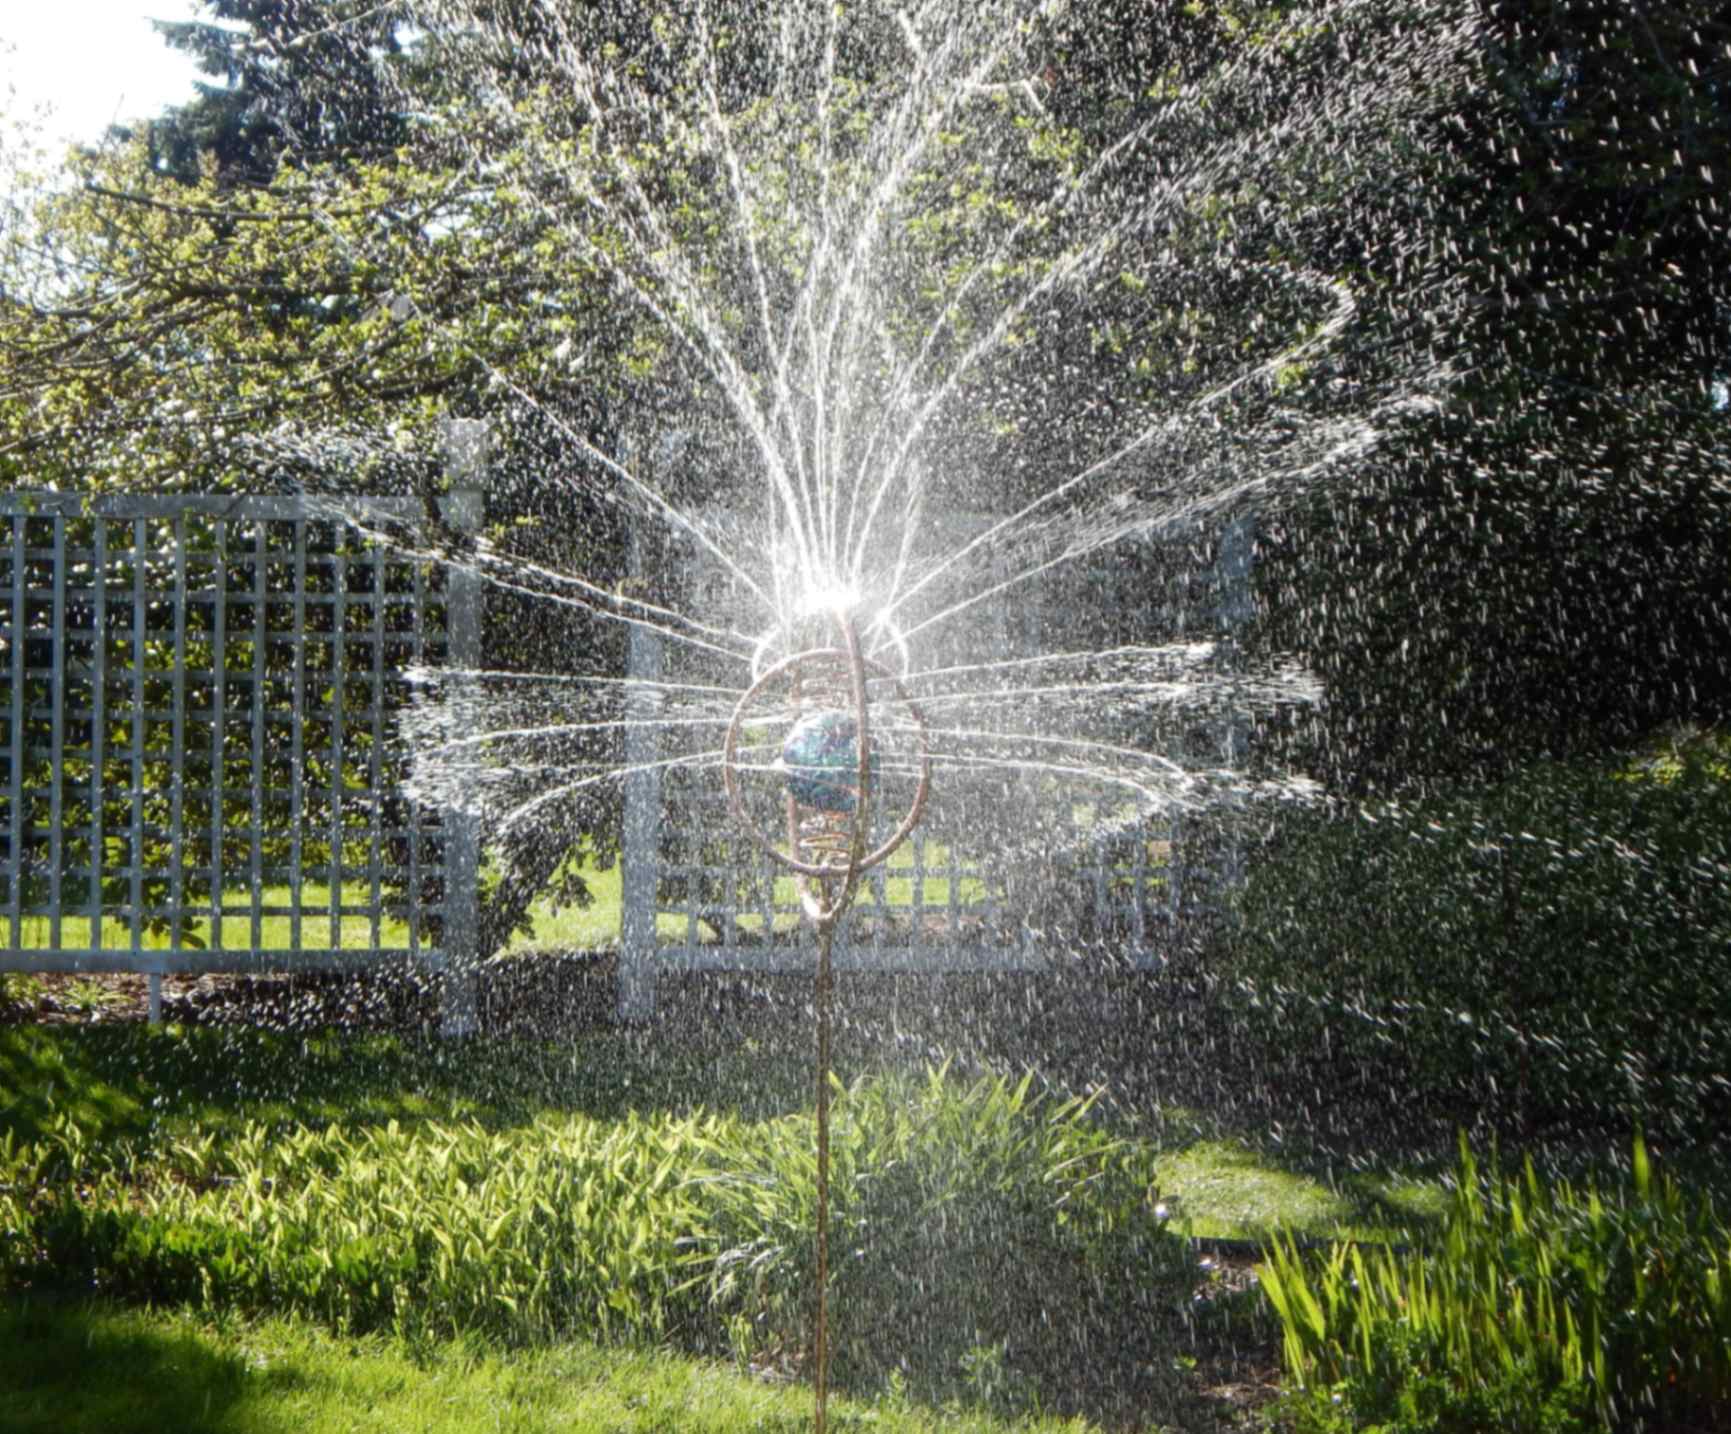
[
  {"x": 197, "y": 747},
  {"x": 200, "y": 771}
]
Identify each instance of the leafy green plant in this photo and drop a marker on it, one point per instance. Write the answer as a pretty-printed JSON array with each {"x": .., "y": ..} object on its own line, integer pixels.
[
  {"x": 970, "y": 1220},
  {"x": 1519, "y": 951},
  {"x": 19, "y": 988},
  {"x": 563, "y": 1224},
  {"x": 1540, "y": 1306},
  {"x": 967, "y": 1224}
]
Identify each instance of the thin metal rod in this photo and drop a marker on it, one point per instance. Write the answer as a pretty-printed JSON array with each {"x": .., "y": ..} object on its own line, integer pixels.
[
  {"x": 339, "y": 717},
  {"x": 218, "y": 725},
  {"x": 831, "y": 877},
  {"x": 260, "y": 696},
  {"x": 298, "y": 735},
  {"x": 98, "y": 720},
  {"x": 135, "y": 794},
  {"x": 177, "y": 892},
  {"x": 835, "y": 906},
  {"x": 375, "y": 808},
  {"x": 825, "y": 1002},
  {"x": 418, "y": 655},
  {"x": 17, "y": 642},
  {"x": 861, "y": 833},
  {"x": 57, "y": 738}
]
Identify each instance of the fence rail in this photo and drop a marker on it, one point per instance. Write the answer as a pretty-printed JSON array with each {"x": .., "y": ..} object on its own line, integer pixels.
[{"x": 199, "y": 752}]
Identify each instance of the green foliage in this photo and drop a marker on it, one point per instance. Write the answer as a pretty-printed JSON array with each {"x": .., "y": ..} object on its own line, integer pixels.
[
  {"x": 967, "y": 1224},
  {"x": 293, "y": 84},
  {"x": 84, "y": 995},
  {"x": 92, "y": 1367},
  {"x": 1547, "y": 949},
  {"x": 129, "y": 1083},
  {"x": 1539, "y": 1307},
  {"x": 1535, "y": 565},
  {"x": 966, "y": 1218},
  {"x": 562, "y": 1225}
]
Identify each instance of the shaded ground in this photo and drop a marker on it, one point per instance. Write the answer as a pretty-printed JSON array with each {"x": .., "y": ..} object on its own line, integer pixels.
[{"x": 1176, "y": 1059}]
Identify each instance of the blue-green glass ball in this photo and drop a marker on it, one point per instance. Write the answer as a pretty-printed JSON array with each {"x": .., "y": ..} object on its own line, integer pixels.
[{"x": 820, "y": 761}]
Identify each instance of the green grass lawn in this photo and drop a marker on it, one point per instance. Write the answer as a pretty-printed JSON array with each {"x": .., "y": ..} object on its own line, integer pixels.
[
  {"x": 596, "y": 927},
  {"x": 569, "y": 928},
  {"x": 349, "y": 931},
  {"x": 1228, "y": 1188},
  {"x": 80, "y": 1367}
]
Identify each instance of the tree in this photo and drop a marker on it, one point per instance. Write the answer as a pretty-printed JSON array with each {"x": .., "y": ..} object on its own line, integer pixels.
[
  {"x": 298, "y": 82},
  {"x": 1537, "y": 566},
  {"x": 269, "y": 312}
]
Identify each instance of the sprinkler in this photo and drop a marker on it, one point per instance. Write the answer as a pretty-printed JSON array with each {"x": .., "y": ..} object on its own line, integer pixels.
[{"x": 829, "y": 765}]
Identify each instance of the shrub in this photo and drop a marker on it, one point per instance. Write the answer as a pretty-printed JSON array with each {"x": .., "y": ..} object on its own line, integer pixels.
[
  {"x": 1541, "y": 1307},
  {"x": 1550, "y": 949},
  {"x": 564, "y": 1225},
  {"x": 980, "y": 1233}
]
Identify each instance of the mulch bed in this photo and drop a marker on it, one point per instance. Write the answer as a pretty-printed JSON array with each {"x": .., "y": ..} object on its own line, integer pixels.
[{"x": 544, "y": 997}]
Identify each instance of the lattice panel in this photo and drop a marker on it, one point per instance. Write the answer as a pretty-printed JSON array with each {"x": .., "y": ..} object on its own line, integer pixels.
[{"x": 199, "y": 750}]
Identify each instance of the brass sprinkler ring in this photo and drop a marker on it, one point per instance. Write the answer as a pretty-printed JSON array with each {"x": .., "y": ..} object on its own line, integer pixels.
[{"x": 730, "y": 750}]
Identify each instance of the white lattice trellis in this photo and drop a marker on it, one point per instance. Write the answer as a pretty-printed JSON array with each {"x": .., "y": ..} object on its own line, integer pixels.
[{"x": 198, "y": 739}]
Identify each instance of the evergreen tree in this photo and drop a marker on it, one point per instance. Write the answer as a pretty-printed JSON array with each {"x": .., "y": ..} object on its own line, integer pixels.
[{"x": 298, "y": 82}]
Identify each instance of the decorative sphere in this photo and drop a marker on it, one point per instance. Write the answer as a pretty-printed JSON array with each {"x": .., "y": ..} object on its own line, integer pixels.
[{"x": 820, "y": 761}]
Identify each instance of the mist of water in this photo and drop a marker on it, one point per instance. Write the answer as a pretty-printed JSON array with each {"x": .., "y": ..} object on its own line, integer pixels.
[
  {"x": 1013, "y": 344},
  {"x": 869, "y": 255}
]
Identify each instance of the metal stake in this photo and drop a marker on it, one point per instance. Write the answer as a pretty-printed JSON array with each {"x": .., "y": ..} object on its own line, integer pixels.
[{"x": 830, "y": 872}]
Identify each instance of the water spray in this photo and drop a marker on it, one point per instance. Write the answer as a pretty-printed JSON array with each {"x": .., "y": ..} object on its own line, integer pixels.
[{"x": 829, "y": 766}]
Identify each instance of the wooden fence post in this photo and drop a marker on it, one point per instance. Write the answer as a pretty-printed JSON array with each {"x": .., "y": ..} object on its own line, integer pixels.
[
  {"x": 466, "y": 442},
  {"x": 645, "y": 664}
]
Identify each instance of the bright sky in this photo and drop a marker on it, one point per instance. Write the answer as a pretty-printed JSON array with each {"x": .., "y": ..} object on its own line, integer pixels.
[{"x": 90, "y": 62}]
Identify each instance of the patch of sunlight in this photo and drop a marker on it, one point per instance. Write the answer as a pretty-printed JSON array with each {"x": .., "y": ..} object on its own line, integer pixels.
[{"x": 1226, "y": 1189}]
